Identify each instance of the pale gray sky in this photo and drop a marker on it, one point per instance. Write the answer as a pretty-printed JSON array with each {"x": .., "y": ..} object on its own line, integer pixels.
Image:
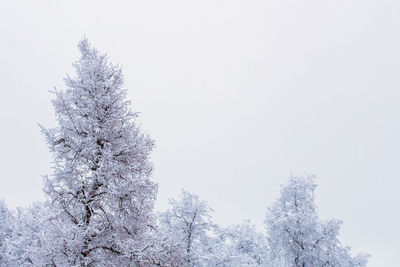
[{"x": 237, "y": 94}]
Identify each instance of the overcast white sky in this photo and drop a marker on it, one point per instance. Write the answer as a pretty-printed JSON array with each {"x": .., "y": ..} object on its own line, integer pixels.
[{"x": 237, "y": 94}]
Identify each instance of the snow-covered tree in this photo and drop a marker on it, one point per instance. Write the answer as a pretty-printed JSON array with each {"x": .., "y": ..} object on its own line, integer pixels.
[
  {"x": 296, "y": 235},
  {"x": 165, "y": 250},
  {"x": 237, "y": 245},
  {"x": 6, "y": 228},
  {"x": 31, "y": 233},
  {"x": 247, "y": 245},
  {"x": 100, "y": 186},
  {"x": 187, "y": 223}
]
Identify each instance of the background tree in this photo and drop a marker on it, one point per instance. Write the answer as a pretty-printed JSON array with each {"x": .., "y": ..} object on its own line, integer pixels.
[
  {"x": 165, "y": 250},
  {"x": 247, "y": 246},
  {"x": 187, "y": 223},
  {"x": 237, "y": 245},
  {"x": 33, "y": 239},
  {"x": 6, "y": 228},
  {"x": 100, "y": 187},
  {"x": 296, "y": 235}
]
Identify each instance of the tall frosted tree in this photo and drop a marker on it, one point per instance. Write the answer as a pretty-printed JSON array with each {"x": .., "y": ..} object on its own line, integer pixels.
[
  {"x": 297, "y": 237},
  {"x": 100, "y": 186}
]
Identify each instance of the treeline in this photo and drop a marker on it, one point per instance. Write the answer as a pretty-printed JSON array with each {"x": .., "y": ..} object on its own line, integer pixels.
[{"x": 99, "y": 208}]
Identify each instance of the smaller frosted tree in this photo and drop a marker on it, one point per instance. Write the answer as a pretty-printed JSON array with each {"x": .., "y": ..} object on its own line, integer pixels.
[
  {"x": 296, "y": 235},
  {"x": 238, "y": 245},
  {"x": 187, "y": 223},
  {"x": 6, "y": 228},
  {"x": 248, "y": 244},
  {"x": 32, "y": 232},
  {"x": 165, "y": 250}
]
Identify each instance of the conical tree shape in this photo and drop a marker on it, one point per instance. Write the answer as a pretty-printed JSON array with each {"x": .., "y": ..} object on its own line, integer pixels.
[{"x": 100, "y": 184}]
